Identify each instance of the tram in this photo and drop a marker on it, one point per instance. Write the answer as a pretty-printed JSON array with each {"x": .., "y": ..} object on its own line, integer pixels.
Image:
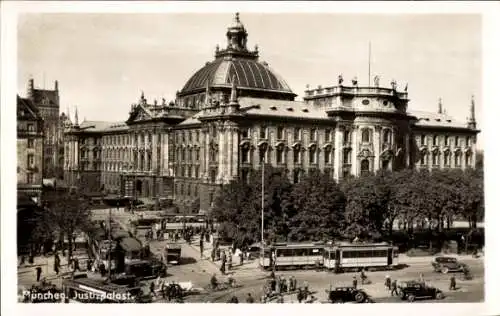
[
  {"x": 357, "y": 256},
  {"x": 292, "y": 255},
  {"x": 335, "y": 257}
]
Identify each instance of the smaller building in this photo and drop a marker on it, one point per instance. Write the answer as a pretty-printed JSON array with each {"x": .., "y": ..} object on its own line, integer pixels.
[{"x": 30, "y": 146}]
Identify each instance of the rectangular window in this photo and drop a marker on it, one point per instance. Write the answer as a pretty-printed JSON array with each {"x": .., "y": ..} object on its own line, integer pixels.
[
  {"x": 312, "y": 156},
  {"x": 327, "y": 135},
  {"x": 29, "y": 178},
  {"x": 312, "y": 136},
  {"x": 457, "y": 141},
  {"x": 468, "y": 141},
  {"x": 296, "y": 134},
  {"x": 327, "y": 156},
  {"x": 422, "y": 140},
  {"x": 245, "y": 133},
  {"x": 263, "y": 132},
  {"x": 347, "y": 157},
  {"x": 31, "y": 128},
  {"x": 296, "y": 156},
  {"x": 447, "y": 141},
  {"x": 280, "y": 133},
  {"x": 31, "y": 143},
  {"x": 279, "y": 156}
]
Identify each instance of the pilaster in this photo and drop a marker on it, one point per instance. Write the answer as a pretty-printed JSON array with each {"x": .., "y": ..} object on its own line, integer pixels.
[
  {"x": 337, "y": 158},
  {"x": 355, "y": 149},
  {"x": 376, "y": 146}
]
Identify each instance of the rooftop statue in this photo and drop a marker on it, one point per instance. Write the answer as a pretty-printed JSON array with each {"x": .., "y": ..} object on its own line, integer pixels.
[
  {"x": 376, "y": 81},
  {"x": 341, "y": 79}
]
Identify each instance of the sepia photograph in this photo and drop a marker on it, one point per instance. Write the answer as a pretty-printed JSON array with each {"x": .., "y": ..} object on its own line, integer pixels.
[{"x": 249, "y": 157}]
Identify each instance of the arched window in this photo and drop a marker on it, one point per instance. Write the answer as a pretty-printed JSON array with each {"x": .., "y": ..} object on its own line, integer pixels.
[
  {"x": 435, "y": 160},
  {"x": 262, "y": 154},
  {"x": 245, "y": 157},
  {"x": 365, "y": 135},
  {"x": 312, "y": 155},
  {"x": 387, "y": 136},
  {"x": 296, "y": 155},
  {"x": 446, "y": 158},
  {"x": 468, "y": 159},
  {"x": 328, "y": 153},
  {"x": 365, "y": 167},
  {"x": 424, "y": 159},
  {"x": 458, "y": 159},
  {"x": 280, "y": 155},
  {"x": 385, "y": 164}
]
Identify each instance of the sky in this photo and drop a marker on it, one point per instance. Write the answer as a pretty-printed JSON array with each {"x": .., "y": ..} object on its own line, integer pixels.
[{"x": 104, "y": 61}]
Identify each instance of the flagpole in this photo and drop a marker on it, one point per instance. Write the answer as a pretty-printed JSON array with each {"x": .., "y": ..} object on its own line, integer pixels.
[{"x": 369, "y": 61}]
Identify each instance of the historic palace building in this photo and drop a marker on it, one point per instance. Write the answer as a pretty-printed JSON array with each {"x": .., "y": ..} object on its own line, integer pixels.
[{"x": 236, "y": 114}]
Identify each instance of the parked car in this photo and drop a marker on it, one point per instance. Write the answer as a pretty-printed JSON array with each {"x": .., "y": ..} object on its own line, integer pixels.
[
  {"x": 412, "y": 290},
  {"x": 348, "y": 294},
  {"x": 447, "y": 264}
]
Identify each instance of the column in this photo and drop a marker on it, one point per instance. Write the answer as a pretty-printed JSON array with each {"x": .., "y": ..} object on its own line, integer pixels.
[
  {"x": 376, "y": 147},
  {"x": 229, "y": 152},
  {"x": 474, "y": 152},
  {"x": 221, "y": 154},
  {"x": 355, "y": 149},
  {"x": 407, "y": 149},
  {"x": 207, "y": 154},
  {"x": 337, "y": 158},
  {"x": 235, "y": 153}
]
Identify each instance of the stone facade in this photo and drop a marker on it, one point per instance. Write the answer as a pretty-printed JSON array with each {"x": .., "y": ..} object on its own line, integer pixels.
[
  {"x": 230, "y": 119},
  {"x": 29, "y": 149}
]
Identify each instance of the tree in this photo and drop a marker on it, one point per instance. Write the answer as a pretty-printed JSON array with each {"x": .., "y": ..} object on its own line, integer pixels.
[
  {"x": 66, "y": 213},
  {"x": 313, "y": 209},
  {"x": 237, "y": 208}
]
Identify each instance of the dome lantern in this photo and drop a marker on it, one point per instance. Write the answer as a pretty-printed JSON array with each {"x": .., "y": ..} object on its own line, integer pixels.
[{"x": 237, "y": 35}]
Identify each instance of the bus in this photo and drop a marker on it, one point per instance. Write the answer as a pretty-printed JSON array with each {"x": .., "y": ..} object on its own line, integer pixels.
[
  {"x": 292, "y": 255},
  {"x": 85, "y": 290},
  {"x": 357, "y": 256}
]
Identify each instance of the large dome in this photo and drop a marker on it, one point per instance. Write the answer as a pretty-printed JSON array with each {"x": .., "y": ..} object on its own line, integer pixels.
[
  {"x": 248, "y": 73},
  {"x": 236, "y": 62}
]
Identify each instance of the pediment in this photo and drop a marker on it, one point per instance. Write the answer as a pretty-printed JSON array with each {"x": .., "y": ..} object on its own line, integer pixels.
[{"x": 138, "y": 114}]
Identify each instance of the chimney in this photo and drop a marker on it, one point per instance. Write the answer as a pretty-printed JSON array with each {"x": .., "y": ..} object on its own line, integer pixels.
[{"x": 56, "y": 86}]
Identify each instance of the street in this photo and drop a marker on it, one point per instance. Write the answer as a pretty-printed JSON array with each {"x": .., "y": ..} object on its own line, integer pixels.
[{"x": 251, "y": 278}]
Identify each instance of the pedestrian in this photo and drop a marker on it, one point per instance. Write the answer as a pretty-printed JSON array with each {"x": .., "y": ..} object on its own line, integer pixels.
[
  {"x": 212, "y": 254},
  {"x": 230, "y": 261},
  {"x": 394, "y": 288},
  {"x": 388, "y": 282},
  {"x": 223, "y": 267},
  {"x": 306, "y": 289},
  {"x": 453, "y": 283},
  {"x": 201, "y": 248},
  {"x": 354, "y": 282},
  {"x": 38, "y": 273},
  {"x": 300, "y": 296},
  {"x": 363, "y": 276},
  {"x": 241, "y": 258},
  {"x": 421, "y": 277},
  {"x": 290, "y": 284},
  {"x": 89, "y": 264},
  {"x": 250, "y": 299},
  {"x": 31, "y": 258}
]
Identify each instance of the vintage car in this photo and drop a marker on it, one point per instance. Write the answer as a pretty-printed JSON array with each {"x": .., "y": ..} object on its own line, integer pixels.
[
  {"x": 348, "y": 294},
  {"x": 412, "y": 290},
  {"x": 447, "y": 264}
]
